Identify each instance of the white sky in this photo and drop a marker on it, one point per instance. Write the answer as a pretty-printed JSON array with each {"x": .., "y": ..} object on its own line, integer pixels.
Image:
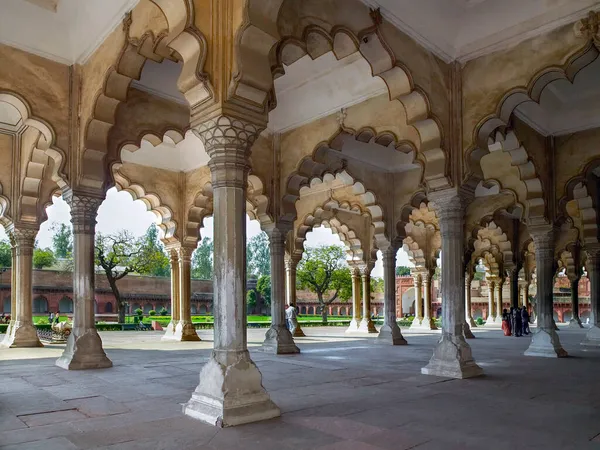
[{"x": 119, "y": 211}]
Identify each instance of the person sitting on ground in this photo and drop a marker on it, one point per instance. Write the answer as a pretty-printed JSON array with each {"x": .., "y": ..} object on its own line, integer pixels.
[
  {"x": 505, "y": 322},
  {"x": 525, "y": 321},
  {"x": 291, "y": 316}
]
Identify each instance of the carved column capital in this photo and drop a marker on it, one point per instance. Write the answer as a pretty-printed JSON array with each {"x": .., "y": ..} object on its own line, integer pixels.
[
  {"x": 543, "y": 238},
  {"x": 184, "y": 253},
  {"x": 22, "y": 239},
  {"x": 355, "y": 272},
  {"x": 84, "y": 210}
]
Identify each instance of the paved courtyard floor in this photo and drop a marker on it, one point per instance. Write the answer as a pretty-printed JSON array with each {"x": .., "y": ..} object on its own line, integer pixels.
[{"x": 341, "y": 393}]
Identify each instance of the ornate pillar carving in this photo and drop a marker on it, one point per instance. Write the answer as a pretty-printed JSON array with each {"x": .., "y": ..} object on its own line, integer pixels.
[
  {"x": 175, "y": 315},
  {"x": 278, "y": 339},
  {"x": 185, "y": 331},
  {"x": 575, "y": 321},
  {"x": 390, "y": 332},
  {"x": 22, "y": 332},
  {"x": 366, "y": 324},
  {"x": 291, "y": 264},
  {"x": 452, "y": 356},
  {"x": 418, "y": 283},
  {"x": 356, "y": 312},
  {"x": 545, "y": 342},
  {"x": 592, "y": 337},
  {"x": 230, "y": 391},
  {"x": 84, "y": 346}
]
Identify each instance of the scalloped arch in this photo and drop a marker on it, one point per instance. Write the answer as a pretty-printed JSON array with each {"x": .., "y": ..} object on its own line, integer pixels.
[{"x": 490, "y": 238}]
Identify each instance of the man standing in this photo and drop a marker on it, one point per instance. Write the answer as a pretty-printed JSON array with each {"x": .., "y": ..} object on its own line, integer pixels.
[
  {"x": 525, "y": 320},
  {"x": 291, "y": 316}
]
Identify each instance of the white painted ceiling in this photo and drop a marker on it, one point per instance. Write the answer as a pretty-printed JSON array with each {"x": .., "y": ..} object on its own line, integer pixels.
[
  {"x": 384, "y": 159},
  {"x": 466, "y": 29},
  {"x": 67, "y": 31}
]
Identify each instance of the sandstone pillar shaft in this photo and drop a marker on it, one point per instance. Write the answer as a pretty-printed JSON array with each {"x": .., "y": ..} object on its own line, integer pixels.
[
  {"x": 467, "y": 333},
  {"x": 491, "y": 316},
  {"x": 428, "y": 321},
  {"x": 514, "y": 288},
  {"x": 592, "y": 337},
  {"x": 230, "y": 391},
  {"x": 84, "y": 346},
  {"x": 452, "y": 356},
  {"x": 22, "y": 332},
  {"x": 575, "y": 321},
  {"x": 499, "y": 300},
  {"x": 418, "y": 283},
  {"x": 13, "y": 295},
  {"x": 278, "y": 339},
  {"x": 356, "y": 312},
  {"x": 526, "y": 296},
  {"x": 170, "y": 331},
  {"x": 185, "y": 331},
  {"x": 290, "y": 289},
  {"x": 366, "y": 324},
  {"x": 390, "y": 332},
  {"x": 545, "y": 342}
]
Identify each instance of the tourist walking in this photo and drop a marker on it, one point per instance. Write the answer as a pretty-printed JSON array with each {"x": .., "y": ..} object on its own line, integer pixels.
[
  {"x": 291, "y": 317},
  {"x": 525, "y": 321},
  {"x": 505, "y": 323}
]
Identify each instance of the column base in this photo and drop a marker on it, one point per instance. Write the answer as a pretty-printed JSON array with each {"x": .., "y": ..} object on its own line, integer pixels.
[
  {"x": 416, "y": 324},
  {"x": 545, "y": 343},
  {"x": 390, "y": 334},
  {"x": 279, "y": 341},
  {"x": 353, "y": 327},
  {"x": 185, "y": 331},
  {"x": 452, "y": 358},
  {"x": 84, "y": 351},
  {"x": 299, "y": 332},
  {"x": 21, "y": 335},
  {"x": 471, "y": 322},
  {"x": 493, "y": 322},
  {"x": 575, "y": 323},
  {"x": 592, "y": 338},
  {"x": 366, "y": 326},
  {"x": 467, "y": 331},
  {"x": 425, "y": 324},
  {"x": 231, "y": 394},
  {"x": 169, "y": 332}
]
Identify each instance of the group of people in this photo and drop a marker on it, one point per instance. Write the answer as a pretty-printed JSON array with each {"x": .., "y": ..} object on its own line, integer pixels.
[
  {"x": 515, "y": 322},
  {"x": 5, "y": 318},
  {"x": 54, "y": 317}
]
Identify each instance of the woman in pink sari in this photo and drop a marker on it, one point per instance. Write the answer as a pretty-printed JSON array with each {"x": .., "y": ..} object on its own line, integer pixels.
[{"x": 505, "y": 323}]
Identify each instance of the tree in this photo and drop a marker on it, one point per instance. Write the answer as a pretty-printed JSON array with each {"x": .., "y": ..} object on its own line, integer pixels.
[
  {"x": 402, "y": 271},
  {"x": 62, "y": 240},
  {"x": 323, "y": 270},
  {"x": 202, "y": 260},
  {"x": 263, "y": 287},
  {"x": 157, "y": 262},
  {"x": 5, "y": 254},
  {"x": 258, "y": 258},
  {"x": 43, "y": 258},
  {"x": 377, "y": 285},
  {"x": 120, "y": 254},
  {"x": 251, "y": 298}
]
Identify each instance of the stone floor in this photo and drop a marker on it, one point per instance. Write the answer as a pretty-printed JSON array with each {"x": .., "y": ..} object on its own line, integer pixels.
[{"x": 341, "y": 393}]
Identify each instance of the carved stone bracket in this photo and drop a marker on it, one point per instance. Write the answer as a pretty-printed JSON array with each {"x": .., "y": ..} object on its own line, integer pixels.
[{"x": 589, "y": 28}]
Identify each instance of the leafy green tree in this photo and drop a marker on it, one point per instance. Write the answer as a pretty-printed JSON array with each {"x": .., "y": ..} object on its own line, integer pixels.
[
  {"x": 157, "y": 262},
  {"x": 43, "y": 258},
  {"x": 62, "y": 240},
  {"x": 251, "y": 298},
  {"x": 402, "y": 271},
  {"x": 120, "y": 254},
  {"x": 5, "y": 254},
  {"x": 202, "y": 260},
  {"x": 258, "y": 259},
  {"x": 263, "y": 286},
  {"x": 377, "y": 285},
  {"x": 323, "y": 270}
]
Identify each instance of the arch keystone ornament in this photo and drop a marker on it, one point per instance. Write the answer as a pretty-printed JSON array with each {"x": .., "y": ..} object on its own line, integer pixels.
[
  {"x": 452, "y": 356},
  {"x": 230, "y": 391}
]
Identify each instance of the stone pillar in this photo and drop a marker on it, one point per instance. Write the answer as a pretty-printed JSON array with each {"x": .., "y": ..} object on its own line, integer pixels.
[
  {"x": 452, "y": 356},
  {"x": 185, "y": 331},
  {"x": 230, "y": 391},
  {"x": 467, "y": 333},
  {"x": 418, "y": 282},
  {"x": 491, "y": 317},
  {"x": 22, "y": 333},
  {"x": 366, "y": 324},
  {"x": 278, "y": 339},
  {"x": 84, "y": 346},
  {"x": 575, "y": 321},
  {"x": 290, "y": 289},
  {"x": 175, "y": 287},
  {"x": 356, "y": 313},
  {"x": 468, "y": 305},
  {"x": 514, "y": 287},
  {"x": 545, "y": 341},
  {"x": 428, "y": 322},
  {"x": 390, "y": 332},
  {"x": 526, "y": 295},
  {"x": 592, "y": 337},
  {"x": 499, "y": 301}
]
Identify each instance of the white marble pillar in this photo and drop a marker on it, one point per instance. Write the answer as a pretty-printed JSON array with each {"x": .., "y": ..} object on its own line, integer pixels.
[
  {"x": 366, "y": 324},
  {"x": 467, "y": 333},
  {"x": 575, "y": 321},
  {"x": 428, "y": 321},
  {"x": 84, "y": 346},
  {"x": 291, "y": 265},
  {"x": 491, "y": 321},
  {"x": 390, "y": 332},
  {"x": 418, "y": 282},
  {"x": 592, "y": 337},
  {"x": 22, "y": 333},
  {"x": 545, "y": 342},
  {"x": 468, "y": 304},
  {"x": 170, "y": 331},
  {"x": 525, "y": 298},
  {"x": 230, "y": 391},
  {"x": 185, "y": 331},
  {"x": 499, "y": 300},
  {"x": 356, "y": 312},
  {"x": 278, "y": 339},
  {"x": 514, "y": 287},
  {"x": 452, "y": 356}
]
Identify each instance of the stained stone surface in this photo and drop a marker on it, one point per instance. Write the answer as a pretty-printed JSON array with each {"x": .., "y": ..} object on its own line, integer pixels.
[{"x": 341, "y": 393}]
